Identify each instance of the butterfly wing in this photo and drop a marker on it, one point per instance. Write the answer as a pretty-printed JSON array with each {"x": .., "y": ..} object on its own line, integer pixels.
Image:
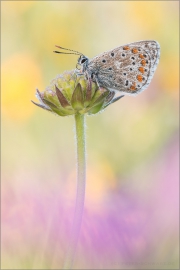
[{"x": 129, "y": 68}]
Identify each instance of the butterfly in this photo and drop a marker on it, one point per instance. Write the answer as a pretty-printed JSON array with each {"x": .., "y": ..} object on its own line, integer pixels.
[{"x": 127, "y": 69}]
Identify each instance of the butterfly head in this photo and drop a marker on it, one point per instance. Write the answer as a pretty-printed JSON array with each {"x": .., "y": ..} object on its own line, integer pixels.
[{"x": 82, "y": 63}]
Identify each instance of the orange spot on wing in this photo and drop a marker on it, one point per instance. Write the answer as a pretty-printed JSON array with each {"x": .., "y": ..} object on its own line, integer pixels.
[
  {"x": 141, "y": 56},
  {"x": 134, "y": 50},
  {"x": 126, "y": 48},
  {"x": 141, "y": 69},
  {"x": 133, "y": 86},
  {"x": 143, "y": 62},
  {"x": 139, "y": 78}
]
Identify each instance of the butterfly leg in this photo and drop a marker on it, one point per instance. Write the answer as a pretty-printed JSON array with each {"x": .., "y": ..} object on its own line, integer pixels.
[
  {"x": 97, "y": 82},
  {"x": 92, "y": 77},
  {"x": 117, "y": 98},
  {"x": 78, "y": 72}
]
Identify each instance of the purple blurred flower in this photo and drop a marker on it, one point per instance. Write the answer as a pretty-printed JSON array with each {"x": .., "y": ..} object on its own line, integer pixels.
[{"x": 127, "y": 231}]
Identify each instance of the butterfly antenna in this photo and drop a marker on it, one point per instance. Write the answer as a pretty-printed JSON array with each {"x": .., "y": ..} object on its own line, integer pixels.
[
  {"x": 65, "y": 53},
  {"x": 73, "y": 52}
]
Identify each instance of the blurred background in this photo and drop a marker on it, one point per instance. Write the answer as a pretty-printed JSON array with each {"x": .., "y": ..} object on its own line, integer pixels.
[{"x": 131, "y": 210}]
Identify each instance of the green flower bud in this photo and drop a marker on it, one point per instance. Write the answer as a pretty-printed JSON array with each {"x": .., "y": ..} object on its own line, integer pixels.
[{"x": 70, "y": 94}]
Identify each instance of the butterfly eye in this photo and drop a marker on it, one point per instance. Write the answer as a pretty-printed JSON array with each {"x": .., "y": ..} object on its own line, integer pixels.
[{"x": 83, "y": 60}]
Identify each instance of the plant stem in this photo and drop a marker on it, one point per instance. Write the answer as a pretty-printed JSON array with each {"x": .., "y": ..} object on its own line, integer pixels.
[{"x": 80, "y": 193}]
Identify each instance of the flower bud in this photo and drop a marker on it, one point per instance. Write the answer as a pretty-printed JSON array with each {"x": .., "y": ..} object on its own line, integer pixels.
[{"x": 70, "y": 93}]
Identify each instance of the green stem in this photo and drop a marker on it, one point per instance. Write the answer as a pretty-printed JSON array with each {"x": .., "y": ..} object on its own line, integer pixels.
[{"x": 80, "y": 193}]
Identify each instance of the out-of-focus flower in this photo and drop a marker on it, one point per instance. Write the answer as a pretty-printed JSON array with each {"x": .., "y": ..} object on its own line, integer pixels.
[
  {"x": 17, "y": 84},
  {"x": 70, "y": 94}
]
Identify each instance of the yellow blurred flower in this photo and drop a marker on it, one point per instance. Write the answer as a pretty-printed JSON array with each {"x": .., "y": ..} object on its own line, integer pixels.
[
  {"x": 169, "y": 73},
  {"x": 146, "y": 14},
  {"x": 20, "y": 76},
  {"x": 17, "y": 6},
  {"x": 100, "y": 180}
]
